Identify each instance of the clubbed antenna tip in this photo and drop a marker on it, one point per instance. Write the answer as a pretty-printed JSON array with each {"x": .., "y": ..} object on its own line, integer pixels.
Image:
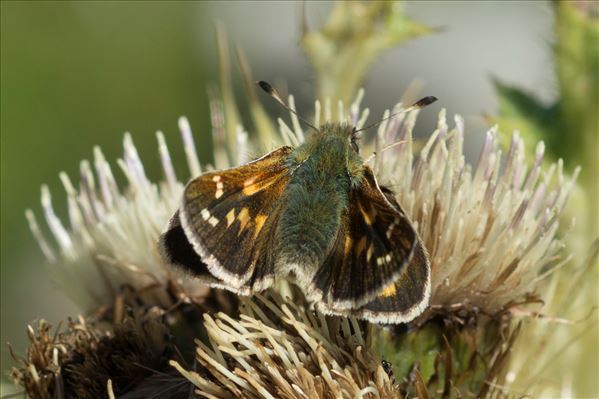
[
  {"x": 271, "y": 91},
  {"x": 265, "y": 86},
  {"x": 423, "y": 102}
]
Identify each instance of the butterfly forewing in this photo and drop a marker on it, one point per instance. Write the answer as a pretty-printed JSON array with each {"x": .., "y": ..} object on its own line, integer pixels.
[
  {"x": 406, "y": 298},
  {"x": 228, "y": 217},
  {"x": 373, "y": 247}
]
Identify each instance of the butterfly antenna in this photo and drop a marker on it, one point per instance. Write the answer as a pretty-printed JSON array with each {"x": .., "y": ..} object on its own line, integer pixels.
[
  {"x": 376, "y": 153},
  {"x": 423, "y": 102},
  {"x": 275, "y": 94}
]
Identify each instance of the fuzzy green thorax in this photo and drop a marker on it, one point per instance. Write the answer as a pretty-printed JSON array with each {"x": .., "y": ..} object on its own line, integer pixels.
[{"x": 326, "y": 168}]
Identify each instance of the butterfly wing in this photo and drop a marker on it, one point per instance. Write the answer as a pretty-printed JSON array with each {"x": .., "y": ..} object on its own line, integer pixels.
[
  {"x": 402, "y": 300},
  {"x": 227, "y": 218},
  {"x": 405, "y": 299},
  {"x": 176, "y": 250},
  {"x": 373, "y": 247}
]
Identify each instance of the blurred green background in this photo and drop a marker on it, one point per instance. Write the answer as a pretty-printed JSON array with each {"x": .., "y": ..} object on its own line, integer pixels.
[
  {"x": 75, "y": 75},
  {"x": 79, "y": 74}
]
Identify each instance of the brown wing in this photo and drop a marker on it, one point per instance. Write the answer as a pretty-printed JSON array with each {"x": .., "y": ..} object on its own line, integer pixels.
[
  {"x": 228, "y": 216},
  {"x": 373, "y": 247},
  {"x": 176, "y": 250},
  {"x": 402, "y": 300}
]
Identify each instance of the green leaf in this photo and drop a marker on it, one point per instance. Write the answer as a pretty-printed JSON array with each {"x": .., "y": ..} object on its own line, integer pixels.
[{"x": 520, "y": 111}]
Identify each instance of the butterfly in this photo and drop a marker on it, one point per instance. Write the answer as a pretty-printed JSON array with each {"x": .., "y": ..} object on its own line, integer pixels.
[{"x": 314, "y": 215}]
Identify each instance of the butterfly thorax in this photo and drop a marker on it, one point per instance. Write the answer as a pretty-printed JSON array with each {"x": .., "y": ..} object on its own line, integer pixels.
[{"x": 326, "y": 168}]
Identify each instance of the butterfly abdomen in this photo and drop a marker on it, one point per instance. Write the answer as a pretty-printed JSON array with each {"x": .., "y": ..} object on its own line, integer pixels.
[{"x": 307, "y": 228}]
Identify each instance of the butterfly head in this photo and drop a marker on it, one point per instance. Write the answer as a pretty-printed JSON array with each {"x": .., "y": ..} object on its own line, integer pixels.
[
  {"x": 340, "y": 134},
  {"x": 334, "y": 148}
]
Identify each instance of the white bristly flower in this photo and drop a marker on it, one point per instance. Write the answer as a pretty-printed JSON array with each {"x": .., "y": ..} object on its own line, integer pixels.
[
  {"x": 489, "y": 228},
  {"x": 112, "y": 233},
  {"x": 277, "y": 348}
]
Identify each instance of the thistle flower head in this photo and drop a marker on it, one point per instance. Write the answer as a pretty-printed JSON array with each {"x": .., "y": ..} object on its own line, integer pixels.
[
  {"x": 79, "y": 360},
  {"x": 490, "y": 230},
  {"x": 110, "y": 242},
  {"x": 276, "y": 349}
]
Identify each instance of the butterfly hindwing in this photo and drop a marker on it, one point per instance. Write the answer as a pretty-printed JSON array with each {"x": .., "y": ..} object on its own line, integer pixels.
[
  {"x": 402, "y": 300},
  {"x": 375, "y": 243},
  {"x": 176, "y": 250},
  {"x": 399, "y": 302},
  {"x": 228, "y": 217}
]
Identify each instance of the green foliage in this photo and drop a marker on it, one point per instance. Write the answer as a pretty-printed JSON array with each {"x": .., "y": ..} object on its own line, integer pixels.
[
  {"x": 261, "y": 126},
  {"x": 570, "y": 126},
  {"x": 521, "y": 111},
  {"x": 577, "y": 68},
  {"x": 570, "y": 130},
  {"x": 76, "y": 75},
  {"x": 448, "y": 356}
]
